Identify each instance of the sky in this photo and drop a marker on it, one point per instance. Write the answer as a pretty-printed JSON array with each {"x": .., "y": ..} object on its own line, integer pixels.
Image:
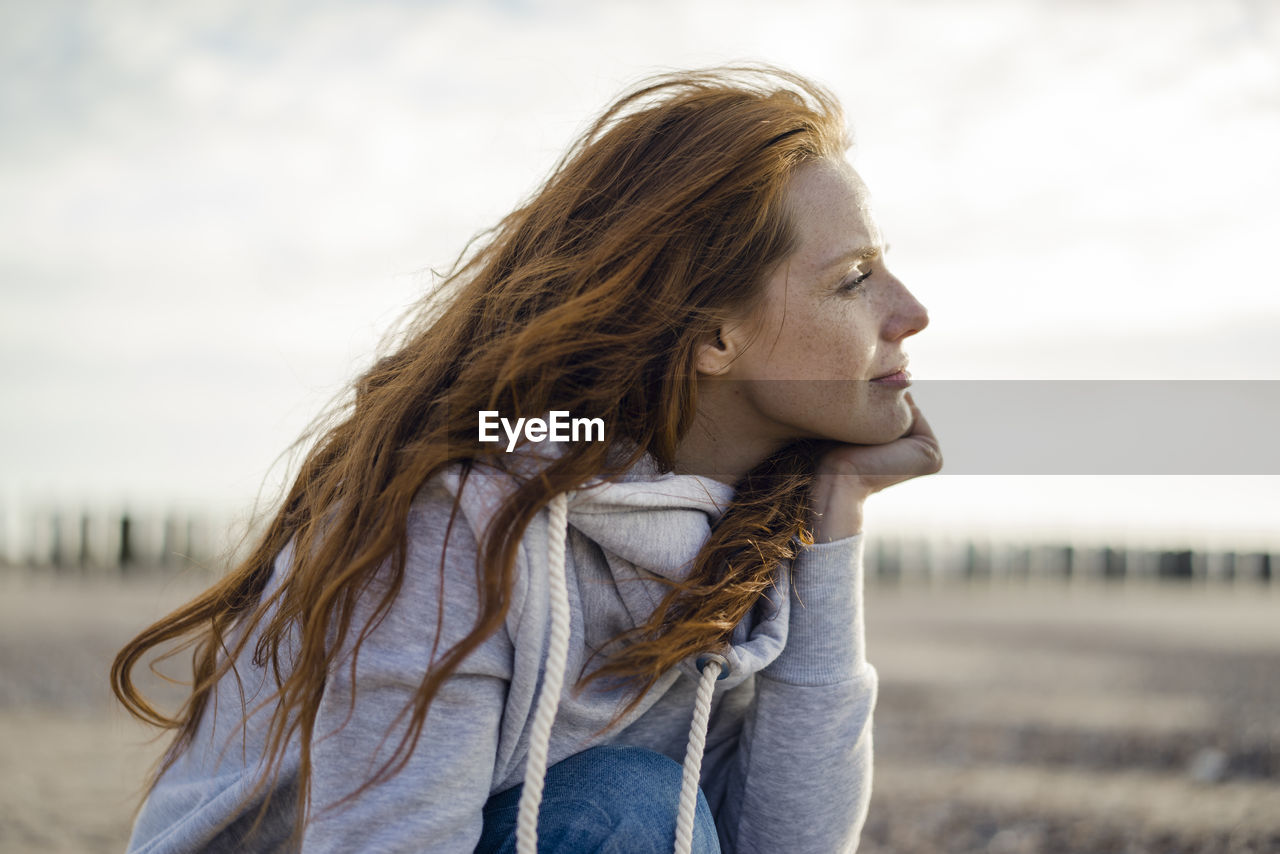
[{"x": 211, "y": 213}]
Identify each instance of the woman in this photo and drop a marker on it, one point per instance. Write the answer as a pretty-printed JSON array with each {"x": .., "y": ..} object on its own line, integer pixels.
[{"x": 459, "y": 634}]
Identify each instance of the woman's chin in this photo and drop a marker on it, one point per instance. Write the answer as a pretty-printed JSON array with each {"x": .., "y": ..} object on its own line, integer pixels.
[{"x": 881, "y": 431}]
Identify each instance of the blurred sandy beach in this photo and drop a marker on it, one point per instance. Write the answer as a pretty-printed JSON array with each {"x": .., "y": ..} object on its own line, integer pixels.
[
  {"x": 1014, "y": 717},
  {"x": 1050, "y": 717}
]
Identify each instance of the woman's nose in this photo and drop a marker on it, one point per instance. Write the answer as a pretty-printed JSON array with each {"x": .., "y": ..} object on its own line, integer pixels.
[{"x": 908, "y": 315}]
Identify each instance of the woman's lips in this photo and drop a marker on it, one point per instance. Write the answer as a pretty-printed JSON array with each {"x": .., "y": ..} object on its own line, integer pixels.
[{"x": 900, "y": 378}]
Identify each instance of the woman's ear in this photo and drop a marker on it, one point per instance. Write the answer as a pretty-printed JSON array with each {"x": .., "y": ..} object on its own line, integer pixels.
[{"x": 718, "y": 350}]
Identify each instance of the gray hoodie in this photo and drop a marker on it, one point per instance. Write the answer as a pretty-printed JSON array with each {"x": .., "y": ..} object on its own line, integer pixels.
[{"x": 787, "y": 764}]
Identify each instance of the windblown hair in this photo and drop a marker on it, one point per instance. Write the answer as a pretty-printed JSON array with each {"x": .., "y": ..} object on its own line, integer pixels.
[{"x": 657, "y": 226}]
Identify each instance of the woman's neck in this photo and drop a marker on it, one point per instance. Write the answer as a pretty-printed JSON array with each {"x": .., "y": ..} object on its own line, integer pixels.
[{"x": 723, "y": 443}]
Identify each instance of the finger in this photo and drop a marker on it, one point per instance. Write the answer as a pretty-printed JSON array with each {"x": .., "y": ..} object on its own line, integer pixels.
[
  {"x": 924, "y": 442},
  {"x": 883, "y": 465}
]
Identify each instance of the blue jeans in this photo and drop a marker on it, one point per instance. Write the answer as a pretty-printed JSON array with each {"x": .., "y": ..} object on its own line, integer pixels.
[{"x": 606, "y": 800}]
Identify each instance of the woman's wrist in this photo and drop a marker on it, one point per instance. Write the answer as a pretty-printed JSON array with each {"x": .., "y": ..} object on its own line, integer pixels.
[{"x": 837, "y": 508}]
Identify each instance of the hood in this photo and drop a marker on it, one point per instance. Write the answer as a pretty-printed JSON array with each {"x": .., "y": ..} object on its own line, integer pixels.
[{"x": 649, "y": 524}]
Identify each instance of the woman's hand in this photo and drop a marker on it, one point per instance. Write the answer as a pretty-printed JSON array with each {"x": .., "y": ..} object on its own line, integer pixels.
[{"x": 848, "y": 474}]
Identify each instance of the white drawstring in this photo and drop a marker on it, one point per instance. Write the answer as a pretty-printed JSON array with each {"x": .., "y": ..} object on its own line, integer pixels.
[
  {"x": 693, "y": 753},
  {"x": 535, "y": 768}
]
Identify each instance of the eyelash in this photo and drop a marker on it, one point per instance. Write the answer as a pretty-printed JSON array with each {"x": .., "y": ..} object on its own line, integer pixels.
[{"x": 855, "y": 284}]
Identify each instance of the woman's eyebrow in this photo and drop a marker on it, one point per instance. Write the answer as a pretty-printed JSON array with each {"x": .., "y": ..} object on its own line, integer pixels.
[{"x": 862, "y": 253}]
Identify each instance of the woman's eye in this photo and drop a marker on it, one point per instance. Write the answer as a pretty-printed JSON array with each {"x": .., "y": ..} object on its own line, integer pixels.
[{"x": 856, "y": 282}]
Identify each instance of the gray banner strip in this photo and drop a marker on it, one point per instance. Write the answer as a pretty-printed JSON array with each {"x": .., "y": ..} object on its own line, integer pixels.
[
  {"x": 1001, "y": 427},
  {"x": 1125, "y": 427}
]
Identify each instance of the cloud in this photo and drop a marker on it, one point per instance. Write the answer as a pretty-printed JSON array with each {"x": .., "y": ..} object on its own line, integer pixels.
[{"x": 244, "y": 190}]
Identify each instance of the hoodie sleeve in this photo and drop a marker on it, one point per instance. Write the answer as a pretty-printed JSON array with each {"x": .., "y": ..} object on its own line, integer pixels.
[
  {"x": 802, "y": 780},
  {"x": 435, "y": 803}
]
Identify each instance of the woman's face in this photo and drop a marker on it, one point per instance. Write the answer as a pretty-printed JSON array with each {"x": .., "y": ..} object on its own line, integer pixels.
[{"x": 832, "y": 324}]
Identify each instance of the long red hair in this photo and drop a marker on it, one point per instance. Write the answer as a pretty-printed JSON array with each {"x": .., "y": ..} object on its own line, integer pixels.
[{"x": 658, "y": 225}]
